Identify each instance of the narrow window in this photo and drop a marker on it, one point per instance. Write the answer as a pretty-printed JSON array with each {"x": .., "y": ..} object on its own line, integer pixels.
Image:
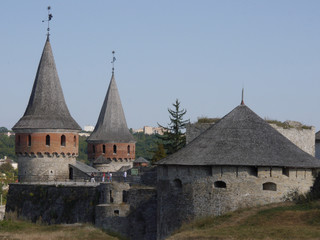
[
  {"x": 104, "y": 148},
  {"x": 220, "y": 184},
  {"x": 71, "y": 173},
  {"x": 128, "y": 149},
  {"x": 48, "y": 140},
  {"x": 19, "y": 140},
  {"x": 74, "y": 141},
  {"x": 124, "y": 196},
  {"x": 93, "y": 148},
  {"x": 237, "y": 171},
  {"x": 114, "y": 149},
  {"x": 269, "y": 186},
  {"x": 253, "y": 171},
  {"x": 111, "y": 197},
  {"x": 285, "y": 171},
  {"x": 63, "y": 140},
  {"x": 271, "y": 172},
  {"x": 29, "y": 140},
  {"x": 116, "y": 212}
]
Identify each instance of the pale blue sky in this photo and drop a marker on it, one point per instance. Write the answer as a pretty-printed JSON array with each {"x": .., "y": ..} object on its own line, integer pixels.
[{"x": 201, "y": 52}]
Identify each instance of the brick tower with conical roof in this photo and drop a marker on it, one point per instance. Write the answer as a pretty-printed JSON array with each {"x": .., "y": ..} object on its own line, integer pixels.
[
  {"x": 46, "y": 140},
  {"x": 111, "y": 146}
]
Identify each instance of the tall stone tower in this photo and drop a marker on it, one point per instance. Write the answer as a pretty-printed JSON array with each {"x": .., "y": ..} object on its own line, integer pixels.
[
  {"x": 47, "y": 138},
  {"x": 111, "y": 146}
]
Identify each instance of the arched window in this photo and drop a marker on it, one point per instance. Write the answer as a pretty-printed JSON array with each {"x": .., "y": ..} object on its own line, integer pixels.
[
  {"x": 74, "y": 141},
  {"x": 128, "y": 148},
  {"x": 104, "y": 149},
  {"x": 19, "y": 140},
  {"x": 114, "y": 149},
  {"x": 269, "y": 186},
  {"x": 93, "y": 148},
  {"x": 220, "y": 184},
  {"x": 63, "y": 140},
  {"x": 29, "y": 140},
  {"x": 48, "y": 140}
]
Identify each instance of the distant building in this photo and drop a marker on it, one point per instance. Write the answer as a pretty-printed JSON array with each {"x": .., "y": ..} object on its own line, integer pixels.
[
  {"x": 88, "y": 128},
  {"x": 150, "y": 130},
  {"x": 141, "y": 162},
  {"x": 9, "y": 134}
]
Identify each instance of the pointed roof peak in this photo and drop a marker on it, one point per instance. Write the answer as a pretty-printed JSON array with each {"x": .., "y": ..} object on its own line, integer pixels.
[
  {"x": 242, "y": 97},
  {"x": 47, "y": 108},
  {"x": 111, "y": 125},
  {"x": 242, "y": 138}
]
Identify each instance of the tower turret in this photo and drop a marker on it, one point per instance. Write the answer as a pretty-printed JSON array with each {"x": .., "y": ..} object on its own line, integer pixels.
[
  {"x": 111, "y": 145},
  {"x": 46, "y": 136}
]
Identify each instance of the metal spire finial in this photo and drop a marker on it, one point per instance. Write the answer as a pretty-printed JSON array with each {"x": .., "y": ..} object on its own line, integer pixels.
[
  {"x": 113, "y": 60},
  {"x": 242, "y": 101},
  {"x": 48, "y": 20}
]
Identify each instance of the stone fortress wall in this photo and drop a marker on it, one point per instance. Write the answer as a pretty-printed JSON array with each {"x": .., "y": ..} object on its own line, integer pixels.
[
  {"x": 198, "y": 191},
  {"x": 129, "y": 210},
  {"x": 304, "y": 138}
]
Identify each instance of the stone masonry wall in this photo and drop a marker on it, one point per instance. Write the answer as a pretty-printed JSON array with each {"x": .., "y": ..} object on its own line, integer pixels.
[
  {"x": 303, "y": 138},
  {"x": 53, "y": 204},
  {"x": 185, "y": 193},
  {"x": 35, "y": 169},
  {"x": 128, "y": 210},
  {"x": 119, "y": 207}
]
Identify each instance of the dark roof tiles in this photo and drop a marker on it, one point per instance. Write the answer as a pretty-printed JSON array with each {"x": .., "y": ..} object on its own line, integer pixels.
[
  {"x": 111, "y": 125},
  {"x": 47, "y": 108},
  {"x": 242, "y": 138}
]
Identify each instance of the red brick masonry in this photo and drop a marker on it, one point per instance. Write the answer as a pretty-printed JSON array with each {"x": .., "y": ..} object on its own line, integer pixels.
[
  {"x": 39, "y": 144},
  {"x": 121, "y": 150}
]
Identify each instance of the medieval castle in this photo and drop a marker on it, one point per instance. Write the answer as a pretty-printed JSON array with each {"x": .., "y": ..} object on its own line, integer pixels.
[{"x": 240, "y": 161}]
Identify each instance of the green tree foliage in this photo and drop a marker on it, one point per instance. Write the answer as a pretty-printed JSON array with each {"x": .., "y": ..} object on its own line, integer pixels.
[
  {"x": 3, "y": 129},
  {"x": 6, "y": 168},
  {"x": 145, "y": 145},
  {"x": 83, "y": 156},
  {"x": 7, "y": 146},
  {"x": 159, "y": 153},
  {"x": 174, "y": 137}
]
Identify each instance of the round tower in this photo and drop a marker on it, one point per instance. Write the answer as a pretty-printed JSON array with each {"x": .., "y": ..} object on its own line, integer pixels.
[
  {"x": 111, "y": 146},
  {"x": 46, "y": 140}
]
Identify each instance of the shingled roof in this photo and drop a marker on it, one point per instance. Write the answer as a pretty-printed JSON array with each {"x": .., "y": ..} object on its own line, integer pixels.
[
  {"x": 47, "y": 108},
  {"x": 111, "y": 125},
  {"x": 242, "y": 138}
]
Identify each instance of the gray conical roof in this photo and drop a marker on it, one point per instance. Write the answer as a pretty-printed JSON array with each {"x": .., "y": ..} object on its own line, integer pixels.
[
  {"x": 47, "y": 108},
  {"x": 111, "y": 125},
  {"x": 242, "y": 138}
]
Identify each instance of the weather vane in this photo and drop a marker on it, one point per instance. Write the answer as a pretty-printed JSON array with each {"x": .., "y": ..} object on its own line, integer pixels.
[
  {"x": 113, "y": 60},
  {"x": 48, "y": 20}
]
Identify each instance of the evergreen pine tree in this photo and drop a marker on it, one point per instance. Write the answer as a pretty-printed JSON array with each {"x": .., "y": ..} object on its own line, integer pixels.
[
  {"x": 174, "y": 138},
  {"x": 159, "y": 153}
]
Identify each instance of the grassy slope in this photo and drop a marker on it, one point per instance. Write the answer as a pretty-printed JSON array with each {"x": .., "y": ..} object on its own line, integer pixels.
[
  {"x": 276, "y": 221},
  {"x": 16, "y": 230}
]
